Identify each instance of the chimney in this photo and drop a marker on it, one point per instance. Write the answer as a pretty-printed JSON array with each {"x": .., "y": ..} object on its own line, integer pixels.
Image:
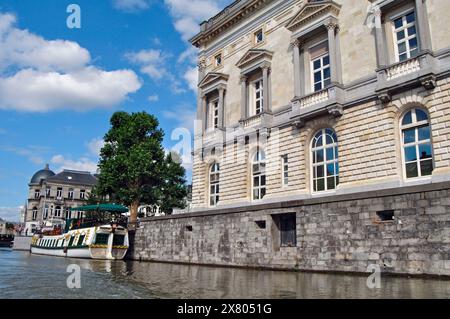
[{"x": 47, "y": 166}]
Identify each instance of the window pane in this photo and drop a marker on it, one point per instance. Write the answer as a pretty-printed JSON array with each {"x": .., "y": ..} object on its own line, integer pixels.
[
  {"x": 319, "y": 141},
  {"x": 320, "y": 171},
  {"x": 316, "y": 64},
  {"x": 407, "y": 119},
  {"x": 426, "y": 167},
  {"x": 409, "y": 136},
  {"x": 330, "y": 169},
  {"x": 412, "y": 30},
  {"x": 256, "y": 181},
  {"x": 263, "y": 192},
  {"x": 317, "y": 77},
  {"x": 330, "y": 155},
  {"x": 327, "y": 82},
  {"x": 320, "y": 184},
  {"x": 414, "y": 52},
  {"x": 336, "y": 152},
  {"x": 421, "y": 115},
  {"x": 315, "y": 185},
  {"x": 410, "y": 153},
  {"x": 319, "y": 157},
  {"x": 424, "y": 133},
  {"x": 400, "y": 35},
  {"x": 403, "y": 57},
  {"x": 330, "y": 183},
  {"x": 317, "y": 87},
  {"x": 326, "y": 60},
  {"x": 326, "y": 73},
  {"x": 413, "y": 43},
  {"x": 263, "y": 180},
  {"x": 410, "y": 17},
  {"x": 402, "y": 47},
  {"x": 398, "y": 23},
  {"x": 256, "y": 194},
  {"x": 337, "y": 168},
  {"x": 425, "y": 151},
  {"x": 411, "y": 170}
]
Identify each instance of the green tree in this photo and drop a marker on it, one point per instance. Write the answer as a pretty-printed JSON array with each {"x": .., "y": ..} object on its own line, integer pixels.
[{"x": 133, "y": 167}]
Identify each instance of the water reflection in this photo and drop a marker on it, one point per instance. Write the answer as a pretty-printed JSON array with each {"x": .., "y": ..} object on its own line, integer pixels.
[{"x": 31, "y": 276}]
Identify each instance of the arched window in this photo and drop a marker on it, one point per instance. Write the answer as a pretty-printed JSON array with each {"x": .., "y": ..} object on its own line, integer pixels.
[
  {"x": 214, "y": 177},
  {"x": 45, "y": 212},
  {"x": 35, "y": 211},
  {"x": 325, "y": 166},
  {"x": 416, "y": 144},
  {"x": 259, "y": 175},
  {"x": 67, "y": 212},
  {"x": 58, "y": 211}
]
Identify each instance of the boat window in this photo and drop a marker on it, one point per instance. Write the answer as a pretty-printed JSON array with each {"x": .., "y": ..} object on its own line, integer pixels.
[
  {"x": 101, "y": 239},
  {"x": 81, "y": 239},
  {"x": 118, "y": 240},
  {"x": 71, "y": 241}
]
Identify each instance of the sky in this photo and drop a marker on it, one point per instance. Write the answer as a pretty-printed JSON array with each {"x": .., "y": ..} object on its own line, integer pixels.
[{"x": 59, "y": 86}]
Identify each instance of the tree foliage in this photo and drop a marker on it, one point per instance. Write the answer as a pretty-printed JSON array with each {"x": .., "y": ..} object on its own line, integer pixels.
[{"x": 134, "y": 169}]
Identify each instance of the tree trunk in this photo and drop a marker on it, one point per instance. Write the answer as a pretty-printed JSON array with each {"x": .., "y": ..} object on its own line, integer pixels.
[{"x": 134, "y": 211}]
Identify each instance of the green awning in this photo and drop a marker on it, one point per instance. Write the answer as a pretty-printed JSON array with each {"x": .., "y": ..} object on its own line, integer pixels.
[{"x": 102, "y": 208}]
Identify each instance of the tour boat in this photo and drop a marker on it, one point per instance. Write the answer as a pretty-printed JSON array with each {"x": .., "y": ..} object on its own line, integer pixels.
[{"x": 83, "y": 239}]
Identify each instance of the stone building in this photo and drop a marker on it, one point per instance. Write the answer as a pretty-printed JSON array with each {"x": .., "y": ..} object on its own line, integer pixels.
[
  {"x": 51, "y": 196},
  {"x": 322, "y": 139}
]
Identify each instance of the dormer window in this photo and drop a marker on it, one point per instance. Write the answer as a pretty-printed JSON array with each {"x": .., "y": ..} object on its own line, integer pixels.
[
  {"x": 259, "y": 36},
  {"x": 218, "y": 60}
]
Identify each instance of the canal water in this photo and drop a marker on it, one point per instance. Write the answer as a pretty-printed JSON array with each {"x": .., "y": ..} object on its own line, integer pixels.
[{"x": 23, "y": 275}]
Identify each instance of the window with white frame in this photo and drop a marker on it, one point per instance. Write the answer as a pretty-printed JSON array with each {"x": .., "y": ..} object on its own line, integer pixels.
[
  {"x": 58, "y": 211},
  {"x": 70, "y": 193},
  {"x": 321, "y": 72},
  {"x": 214, "y": 178},
  {"x": 59, "y": 192},
  {"x": 416, "y": 142},
  {"x": 35, "y": 211},
  {"x": 37, "y": 193},
  {"x": 257, "y": 97},
  {"x": 82, "y": 194},
  {"x": 67, "y": 212},
  {"x": 259, "y": 175},
  {"x": 214, "y": 115},
  {"x": 325, "y": 166},
  {"x": 285, "y": 169},
  {"x": 48, "y": 192},
  {"x": 259, "y": 36},
  {"x": 405, "y": 36},
  {"x": 45, "y": 212}
]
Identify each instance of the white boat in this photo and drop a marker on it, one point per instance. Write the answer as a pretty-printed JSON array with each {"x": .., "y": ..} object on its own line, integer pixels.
[{"x": 107, "y": 241}]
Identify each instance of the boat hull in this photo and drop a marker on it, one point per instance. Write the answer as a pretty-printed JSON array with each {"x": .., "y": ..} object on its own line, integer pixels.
[{"x": 101, "y": 242}]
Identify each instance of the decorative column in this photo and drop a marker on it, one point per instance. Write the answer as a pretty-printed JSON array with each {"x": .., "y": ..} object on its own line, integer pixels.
[
  {"x": 380, "y": 39},
  {"x": 201, "y": 75},
  {"x": 331, "y": 26},
  {"x": 297, "y": 72},
  {"x": 221, "y": 107},
  {"x": 204, "y": 112},
  {"x": 424, "y": 29},
  {"x": 243, "y": 97},
  {"x": 266, "y": 101}
]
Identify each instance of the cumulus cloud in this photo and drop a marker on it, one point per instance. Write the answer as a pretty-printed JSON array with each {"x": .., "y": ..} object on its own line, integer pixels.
[
  {"x": 191, "y": 77},
  {"x": 83, "y": 164},
  {"x": 152, "y": 62},
  {"x": 10, "y": 214},
  {"x": 39, "y": 75},
  {"x": 131, "y": 5},
  {"x": 33, "y": 153},
  {"x": 95, "y": 145}
]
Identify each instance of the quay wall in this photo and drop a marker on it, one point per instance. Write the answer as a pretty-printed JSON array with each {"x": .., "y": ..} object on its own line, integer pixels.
[
  {"x": 338, "y": 233},
  {"x": 22, "y": 243}
]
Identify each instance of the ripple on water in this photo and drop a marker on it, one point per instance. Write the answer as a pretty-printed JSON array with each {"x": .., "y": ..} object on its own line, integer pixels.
[{"x": 31, "y": 276}]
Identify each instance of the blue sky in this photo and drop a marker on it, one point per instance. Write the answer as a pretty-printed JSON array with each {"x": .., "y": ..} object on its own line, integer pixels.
[{"x": 59, "y": 86}]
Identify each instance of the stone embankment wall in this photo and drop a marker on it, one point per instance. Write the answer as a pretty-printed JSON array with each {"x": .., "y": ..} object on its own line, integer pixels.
[{"x": 339, "y": 233}]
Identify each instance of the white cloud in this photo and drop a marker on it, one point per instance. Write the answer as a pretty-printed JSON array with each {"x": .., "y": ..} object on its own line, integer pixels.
[
  {"x": 191, "y": 77},
  {"x": 152, "y": 62},
  {"x": 183, "y": 115},
  {"x": 33, "y": 153},
  {"x": 131, "y": 5},
  {"x": 153, "y": 98},
  {"x": 83, "y": 164},
  {"x": 10, "y": 214},
  {"x": 95, "y": 145},
  {"x": 39, "y": 75}
]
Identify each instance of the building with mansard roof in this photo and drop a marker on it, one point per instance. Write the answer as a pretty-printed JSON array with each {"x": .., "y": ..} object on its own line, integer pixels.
[{"x": 51, "y": 196}]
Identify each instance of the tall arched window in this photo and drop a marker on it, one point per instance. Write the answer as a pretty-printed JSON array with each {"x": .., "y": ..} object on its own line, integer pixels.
[
  {"x": 35, "y": 211},
  {"x": 416, "y": 142},
  {"x": 214, "y": 177},
  {"x": 325, "y": 165},
  {"x": 259, "y": 175}
]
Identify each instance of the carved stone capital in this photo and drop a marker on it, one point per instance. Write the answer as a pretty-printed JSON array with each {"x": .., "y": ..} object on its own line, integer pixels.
[
  {"x": 295, "y": 43},
  {"x": 243, "y": 79},
  {"x": 332, "y": 25},
  {"x": 202, "y": 64}
]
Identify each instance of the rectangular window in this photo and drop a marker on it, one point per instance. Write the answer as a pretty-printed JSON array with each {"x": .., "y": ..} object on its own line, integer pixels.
[
  {"x": 259, "y": 36},
  {"x": 405, "y": 36},
  {"x": 118, "y": 240},
  {"x": 45, "y": 213},
  {"x": 70, "y": 193},
  {"x": 285, "y": 169},
  {"x": 258, "y": 96},
  {"x": 214, "y": 109},
  {"x": 321, "y": 72},
  {"x": 59, "y": 193},
  {"x": 37, "y": 193},
  {"x": 47, "y": 192},
  {"x": 81, "y": 239},
  {"x": 82, "y": 194},
  {"x": 101, "y": 239},
  {"x": 288, "y": 235},
  {"x": 218, "y": 60},
  {"x": 72, "y": 238}
]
